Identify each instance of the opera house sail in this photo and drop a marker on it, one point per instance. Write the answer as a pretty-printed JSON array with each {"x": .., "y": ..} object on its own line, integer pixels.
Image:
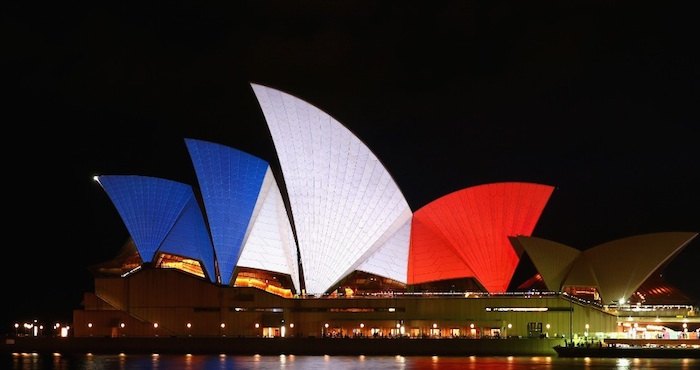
[
  {"x": 348, "y": 211},
  {"x": 248, "y": 222},
  {"x": 465, "y": 233}
]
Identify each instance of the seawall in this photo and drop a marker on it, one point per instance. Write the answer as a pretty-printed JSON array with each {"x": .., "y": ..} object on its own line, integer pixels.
[{"x": 287, "y": 346}]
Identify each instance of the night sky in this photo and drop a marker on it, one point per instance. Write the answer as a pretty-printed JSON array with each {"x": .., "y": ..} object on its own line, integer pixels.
[{"x": 597, "y": 98}]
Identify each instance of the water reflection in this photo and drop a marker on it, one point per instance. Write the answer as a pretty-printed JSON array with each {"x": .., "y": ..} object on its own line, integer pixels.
[{"x": 33, "y": 361}]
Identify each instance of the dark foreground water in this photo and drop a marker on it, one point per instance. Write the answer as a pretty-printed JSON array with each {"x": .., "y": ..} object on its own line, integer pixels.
[{"x": 212, "y": 362}]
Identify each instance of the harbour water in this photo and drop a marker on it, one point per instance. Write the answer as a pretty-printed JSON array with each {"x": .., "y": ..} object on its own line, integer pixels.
[{"x": 48, "y": 361}]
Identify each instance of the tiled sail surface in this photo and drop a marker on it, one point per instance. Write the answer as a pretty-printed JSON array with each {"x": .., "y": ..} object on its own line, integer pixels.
[
  {"x": 562, "y": 266},
  {"x": 391, "y": 259},
  {"x": 344, "y": 203},
  {"x": 552, "y": 260},
  {"x": 230, "y": 181},
  {"x": 431, "y": 257},
  {"x": 161, "y": 215},
  {"x": 190, "y": 238},
  {"x": 270, "y": 245},
  {"x": 617, "y": 283},
  {"x": 473, "y": 225}
]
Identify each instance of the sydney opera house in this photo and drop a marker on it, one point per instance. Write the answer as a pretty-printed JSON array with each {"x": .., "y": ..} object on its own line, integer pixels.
[{"x": 330, "y": 247}]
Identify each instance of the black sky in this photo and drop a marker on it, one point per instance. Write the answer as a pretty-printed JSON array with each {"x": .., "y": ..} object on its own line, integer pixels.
[{"x": 598, "y": 98}]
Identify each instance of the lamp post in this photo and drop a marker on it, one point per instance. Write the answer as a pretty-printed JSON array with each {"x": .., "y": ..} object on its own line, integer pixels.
[{"x": 571, "y": 318}]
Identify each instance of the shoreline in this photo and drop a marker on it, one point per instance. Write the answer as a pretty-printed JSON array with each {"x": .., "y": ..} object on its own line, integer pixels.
[
  {"x": 285, "y": 346},
  {"x": 627, "y": 352}
]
